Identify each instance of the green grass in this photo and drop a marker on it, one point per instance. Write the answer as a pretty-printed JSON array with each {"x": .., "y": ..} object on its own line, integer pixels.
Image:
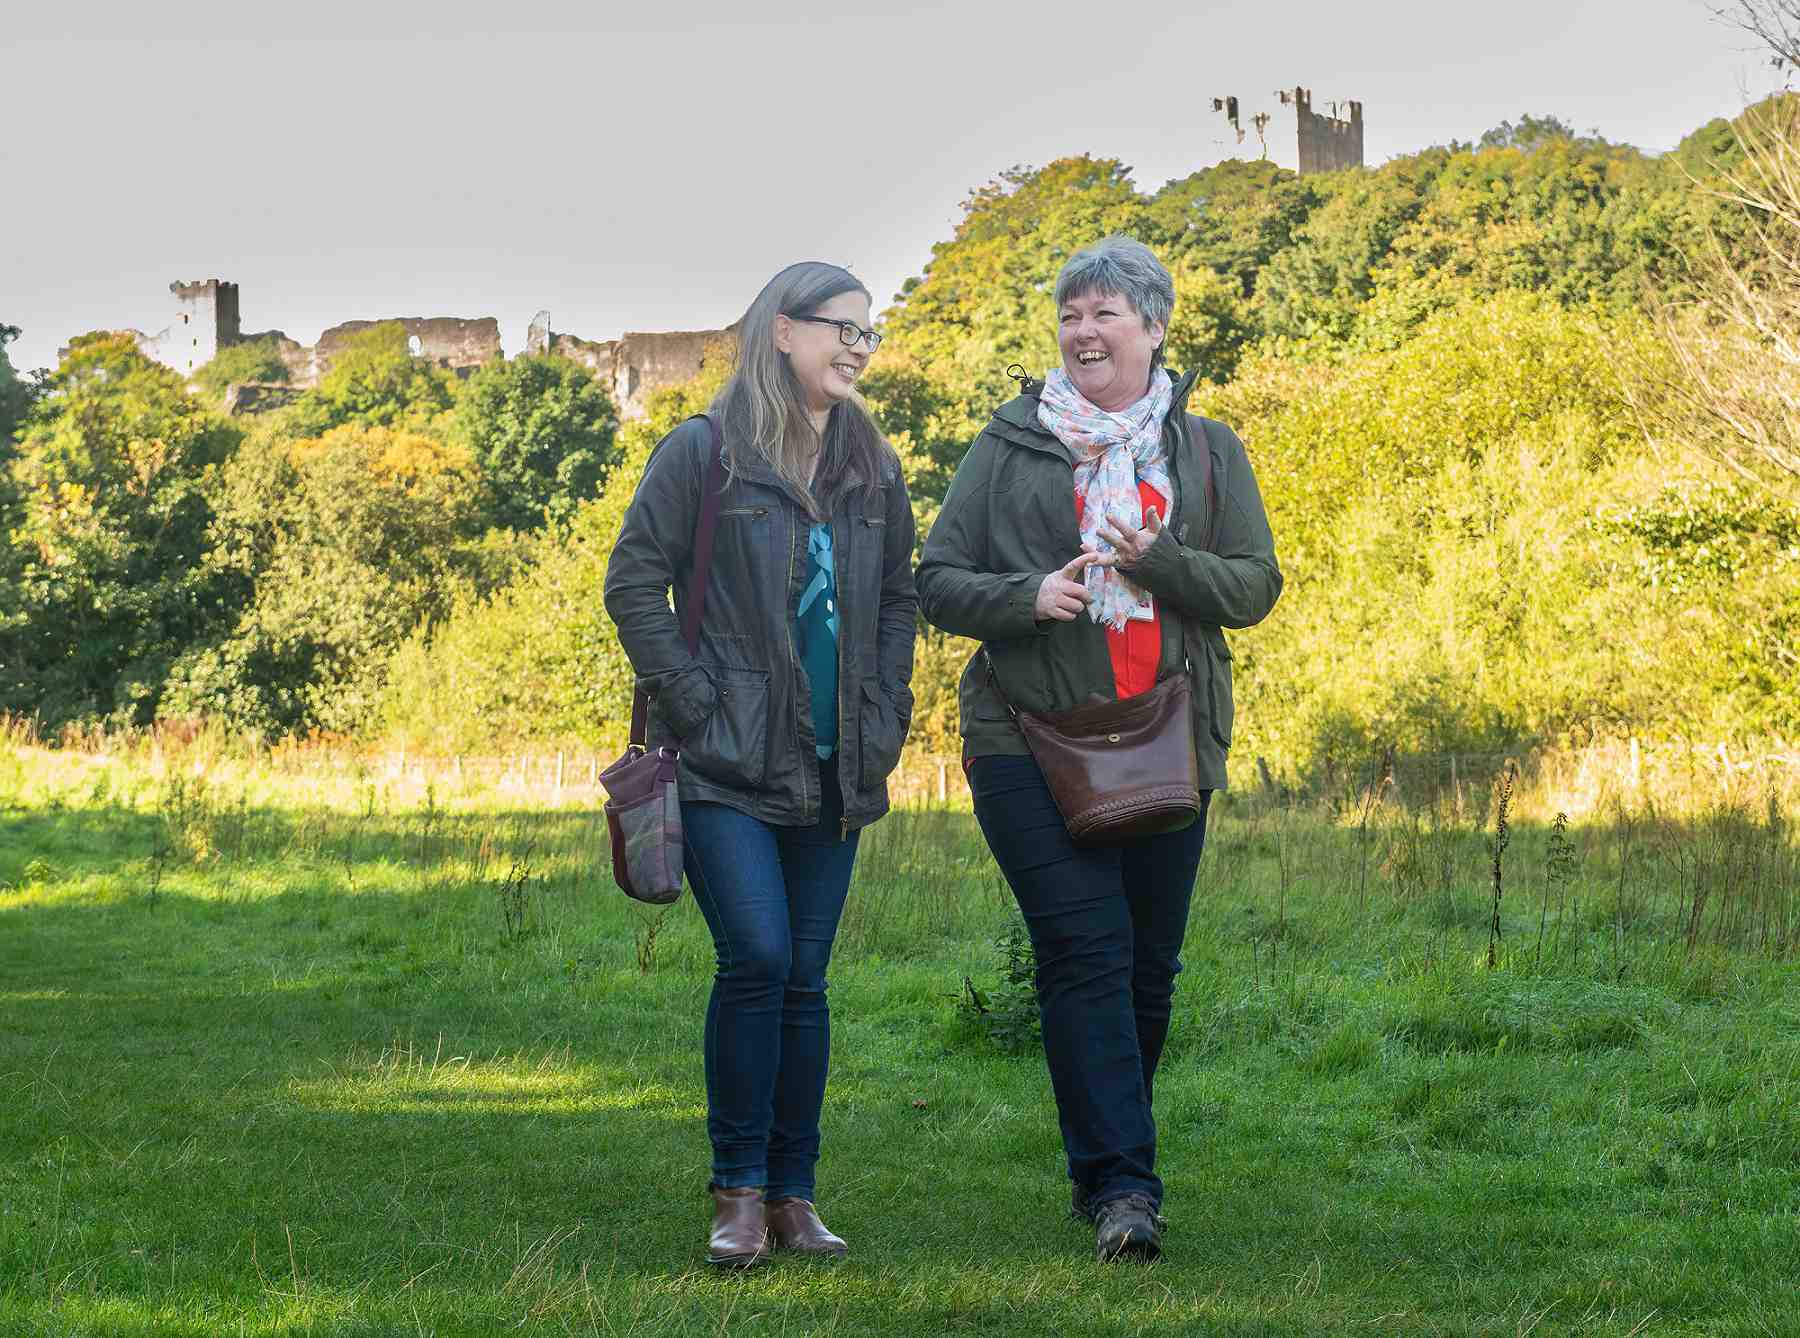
[{"x": 308, "y": 1054}]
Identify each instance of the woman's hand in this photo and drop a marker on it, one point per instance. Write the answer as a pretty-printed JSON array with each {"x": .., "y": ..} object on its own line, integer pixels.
[
  {"x": 1131, "y": 545},
  {"x": 1063, "y": 594}
]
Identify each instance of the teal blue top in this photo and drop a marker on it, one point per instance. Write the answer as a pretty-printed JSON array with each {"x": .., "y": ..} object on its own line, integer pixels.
[{"x": 816, "y": 632}]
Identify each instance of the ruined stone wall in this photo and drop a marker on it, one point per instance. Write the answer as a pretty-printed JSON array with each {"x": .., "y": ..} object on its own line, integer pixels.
[
  {"x": 635, "y": 366},
  {"x": 449, "y": 341},
  {"x": 295, "y": 356},
  {"x": 1291, "y": 134},
  {"x": 1326, "y": 143},
  {"x": 632, "y": 367},
  {"x": 648, "y": 362},
  {"x": 599, "y": 357}
]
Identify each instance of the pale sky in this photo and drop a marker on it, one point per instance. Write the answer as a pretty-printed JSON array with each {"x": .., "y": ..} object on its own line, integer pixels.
[{"x": 648, "y": 167}]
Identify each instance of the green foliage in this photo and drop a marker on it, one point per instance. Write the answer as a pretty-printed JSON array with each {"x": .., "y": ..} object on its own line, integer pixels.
[
  {"x": 109, "y": 536},
  {"x": 1530, "y": 132},
  {"x": 1315, "y": 287},
  {"x": 984, "y": 301},
  {"x": 237, "y": 364},
  {"x": 17, "y": 395},
  {"x": 1006, "y": 1015},
  {"x": 376, "y": 382},
  {"x": 539, "y": 657},
  {"x": 541, "y": 432},
  {"x": 1699, "y": 533},
  {"x": 349, "y": 543},
  {"x": 1231, "y": 218},
  {"x": 1450, "y": 588},
  {"x": 1439, "y": 365}
]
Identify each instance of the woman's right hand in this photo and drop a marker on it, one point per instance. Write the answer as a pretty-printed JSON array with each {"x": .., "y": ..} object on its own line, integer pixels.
[{"x": 1063, "y": 594}]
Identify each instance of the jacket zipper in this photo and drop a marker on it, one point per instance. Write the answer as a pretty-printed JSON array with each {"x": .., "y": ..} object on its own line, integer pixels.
[
  {"x": 837, "y": 565},
  {"x": 793, "y": 650}
]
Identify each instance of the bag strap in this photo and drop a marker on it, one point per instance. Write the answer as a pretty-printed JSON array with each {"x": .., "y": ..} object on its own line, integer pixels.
[
  {"x": 706, "y": 530},
  {"x": 1206, "y": 472}
]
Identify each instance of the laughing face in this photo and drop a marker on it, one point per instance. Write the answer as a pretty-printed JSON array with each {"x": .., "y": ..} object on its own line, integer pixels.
[
  {"x": 1106, "y": 349},
  {"x": 823, "y": 365}
]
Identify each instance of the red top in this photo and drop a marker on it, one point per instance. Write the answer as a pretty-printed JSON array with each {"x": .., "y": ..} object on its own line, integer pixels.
[{"x": 1136, "y": 651}]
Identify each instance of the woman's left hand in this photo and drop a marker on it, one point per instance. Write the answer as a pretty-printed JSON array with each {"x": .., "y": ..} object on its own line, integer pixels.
[{"x": 1130, "y": 544}]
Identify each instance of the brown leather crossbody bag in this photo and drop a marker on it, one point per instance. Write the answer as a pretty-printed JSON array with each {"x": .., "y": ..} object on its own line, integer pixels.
[
  {"x": 1118, "y": 769},
  {"x": 1121, "y": 769}
]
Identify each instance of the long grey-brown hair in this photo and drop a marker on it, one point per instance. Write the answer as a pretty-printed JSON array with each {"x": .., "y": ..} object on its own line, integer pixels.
[{"x": 763, "y": 410}]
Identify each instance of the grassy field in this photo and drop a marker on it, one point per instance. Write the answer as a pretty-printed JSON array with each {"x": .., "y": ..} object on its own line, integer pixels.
[{"x": 348, "y": 1054}]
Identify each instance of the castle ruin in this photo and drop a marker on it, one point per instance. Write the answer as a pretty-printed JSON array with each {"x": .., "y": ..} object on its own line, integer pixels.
[
  {"x": 632, "y": 367},
  {"x": 1291, "y": 134},
  {"x": 206, "y": 320}
]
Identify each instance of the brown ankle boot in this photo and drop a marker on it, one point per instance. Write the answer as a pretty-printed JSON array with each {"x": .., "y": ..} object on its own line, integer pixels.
[
  {"x": 740, "y": 1228},
  {"x": 795, "y": 1225}
]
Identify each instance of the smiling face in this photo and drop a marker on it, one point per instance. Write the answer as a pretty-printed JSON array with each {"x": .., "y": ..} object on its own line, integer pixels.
[
  {"x": 823, "y": 365},
  {"x": 1106, "y": 349}
]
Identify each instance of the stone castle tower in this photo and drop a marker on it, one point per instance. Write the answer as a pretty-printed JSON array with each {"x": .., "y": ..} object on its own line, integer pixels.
[
  {"x": 1291, "y": 134},
  {"x": 206, "y": 320}
]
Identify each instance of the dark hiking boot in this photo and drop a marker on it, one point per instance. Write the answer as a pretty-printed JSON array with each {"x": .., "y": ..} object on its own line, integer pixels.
[
  {"x": 1126, "y": 1228},
  {"x": 1082, "y": 1210}
]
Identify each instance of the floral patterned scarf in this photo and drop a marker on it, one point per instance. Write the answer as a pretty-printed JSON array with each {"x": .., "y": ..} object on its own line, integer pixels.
[{"x": 1112, "y": 453}]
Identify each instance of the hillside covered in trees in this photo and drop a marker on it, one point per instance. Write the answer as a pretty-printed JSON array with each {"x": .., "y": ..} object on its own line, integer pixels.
[{"x": 1514, "y": 417}]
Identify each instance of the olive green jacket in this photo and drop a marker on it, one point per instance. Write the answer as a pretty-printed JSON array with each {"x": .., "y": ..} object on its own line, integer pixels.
[{"x": 1009, "y": 518}]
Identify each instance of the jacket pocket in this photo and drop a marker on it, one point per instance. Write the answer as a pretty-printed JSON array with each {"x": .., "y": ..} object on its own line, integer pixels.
[
  {"x": 1218, "y": 692},
  {"x": 732, "y": 744},
  {"x": 883, "y": 734}
]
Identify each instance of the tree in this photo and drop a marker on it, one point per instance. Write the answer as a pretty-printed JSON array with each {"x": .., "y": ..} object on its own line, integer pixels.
[
  {"x": 375, "y": 382},
  {"x": 347, "y": 543},
  {"x": 1737, "y": 359},
  {"x": 1315, "y": 287},
  {"x": 1774, "y": 23},
  {"x": 1232, "y": 218},
  {"x": 239, "y": 364},
  {"x": 541, "y": 430},
  {"x": 540, "y": 656},
  {"x": 112, "y": 474},
  {"x": 16, "y": 395},
  {"x": 1531, "y": 132},
  {"x": 985, "y": 300}
]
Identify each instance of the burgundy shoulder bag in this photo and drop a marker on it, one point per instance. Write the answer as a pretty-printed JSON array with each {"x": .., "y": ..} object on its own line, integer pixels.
[
  {"x": 643, "y": 810},
  {"x": 1121, "y": 769}
]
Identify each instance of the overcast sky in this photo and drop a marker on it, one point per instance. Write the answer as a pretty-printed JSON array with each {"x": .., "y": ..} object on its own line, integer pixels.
[{"x": 647, "y": 167}]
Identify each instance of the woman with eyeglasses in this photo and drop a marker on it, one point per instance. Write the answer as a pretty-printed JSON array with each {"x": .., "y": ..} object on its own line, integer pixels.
[{"x": 788, "y": 720}]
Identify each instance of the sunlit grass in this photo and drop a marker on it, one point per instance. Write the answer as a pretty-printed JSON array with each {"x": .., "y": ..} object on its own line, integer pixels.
[{"x": 272, "y": 1060}]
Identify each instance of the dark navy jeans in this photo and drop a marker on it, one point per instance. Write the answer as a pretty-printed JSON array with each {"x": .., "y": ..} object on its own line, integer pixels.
[
  {"x": 772, "y": 897},
  {"x": 1106, "y": 924}
]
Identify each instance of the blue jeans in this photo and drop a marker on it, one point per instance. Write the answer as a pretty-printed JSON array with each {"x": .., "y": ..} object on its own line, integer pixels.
[
  {"x": 1106, "y": 924},
  {"x": 772, "y": 897}
]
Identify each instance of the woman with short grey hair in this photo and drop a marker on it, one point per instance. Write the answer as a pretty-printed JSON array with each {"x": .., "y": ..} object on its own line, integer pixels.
[{"x": 1094, "y": 491}]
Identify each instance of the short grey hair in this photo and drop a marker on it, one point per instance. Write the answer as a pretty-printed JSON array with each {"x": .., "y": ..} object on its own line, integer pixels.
[{"x": 1123, "y": 266}]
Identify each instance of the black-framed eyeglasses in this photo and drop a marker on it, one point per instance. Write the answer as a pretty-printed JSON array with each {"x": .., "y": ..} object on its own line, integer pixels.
[{"x": 850, "y": 334}]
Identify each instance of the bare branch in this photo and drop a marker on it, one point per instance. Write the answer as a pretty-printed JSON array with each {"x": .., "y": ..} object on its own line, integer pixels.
[
  {"x": 1774, "y": 23},
  {"x": 1731, "y": 390}
]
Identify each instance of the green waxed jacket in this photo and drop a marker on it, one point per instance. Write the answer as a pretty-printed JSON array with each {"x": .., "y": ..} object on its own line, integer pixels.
[
  {"x": 1009, "y": 518},
  {"x": 741, "y": 711}
]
